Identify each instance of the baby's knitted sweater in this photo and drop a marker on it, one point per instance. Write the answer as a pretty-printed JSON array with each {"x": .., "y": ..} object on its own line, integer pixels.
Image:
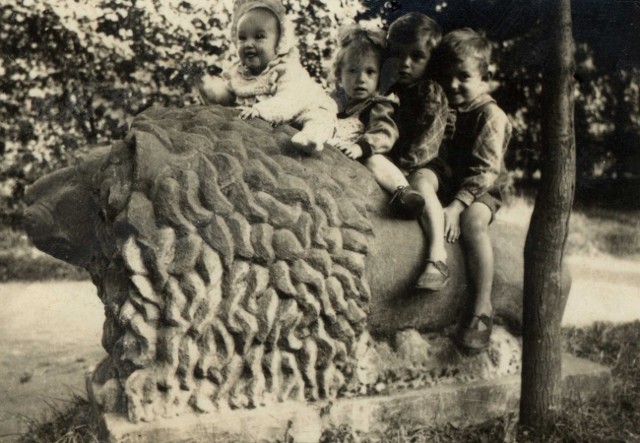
[{"x": 283, "y": 92}]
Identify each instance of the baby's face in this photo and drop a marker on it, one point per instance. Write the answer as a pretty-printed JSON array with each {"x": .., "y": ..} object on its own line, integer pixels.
[
  {"x": 359, "y": 74},
  {"x": 409, "y": 60},
  {"x": 257, "y": 39},
  {"x": 462, "y": 81}
]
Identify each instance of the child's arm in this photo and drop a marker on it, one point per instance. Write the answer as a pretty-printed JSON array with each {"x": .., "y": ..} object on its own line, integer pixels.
[
  {"x": 432, "y": 128},
  {"x": 486, "y": 154},
  {"x": 485, "y": 163},
  {"x": 452, "y": 220},
  {"x": 381, "y": 132},
  {"x": 215, "y": 90}
]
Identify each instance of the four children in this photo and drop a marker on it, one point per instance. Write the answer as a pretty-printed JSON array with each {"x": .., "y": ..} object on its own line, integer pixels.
[{"x": 391, "y": 111}]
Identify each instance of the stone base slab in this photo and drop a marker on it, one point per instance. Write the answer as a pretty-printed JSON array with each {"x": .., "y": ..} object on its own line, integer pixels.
[{"x": 458, "y": 403}]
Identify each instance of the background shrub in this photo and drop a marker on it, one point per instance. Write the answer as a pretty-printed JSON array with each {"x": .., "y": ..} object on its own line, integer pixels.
[{"x": 74, "y": 72}]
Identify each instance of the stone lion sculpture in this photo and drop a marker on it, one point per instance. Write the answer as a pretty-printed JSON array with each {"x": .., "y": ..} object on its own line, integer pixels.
[{"x": 236, "y": 271}]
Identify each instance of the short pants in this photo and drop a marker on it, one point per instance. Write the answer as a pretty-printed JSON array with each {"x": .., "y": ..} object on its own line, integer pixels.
[{"x": 446, "y": 191}]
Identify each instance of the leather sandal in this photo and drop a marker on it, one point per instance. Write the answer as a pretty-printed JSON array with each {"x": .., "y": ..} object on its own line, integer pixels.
[
  {"x": 432, "y": 281},
  {"x": 470, "y": 339}
]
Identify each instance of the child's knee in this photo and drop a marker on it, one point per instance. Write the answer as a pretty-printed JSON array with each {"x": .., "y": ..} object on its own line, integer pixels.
[
  {"x": 424, "y": 178},
  {"x": 474, "y": 221},
  {"x": 474, "y": 226}
]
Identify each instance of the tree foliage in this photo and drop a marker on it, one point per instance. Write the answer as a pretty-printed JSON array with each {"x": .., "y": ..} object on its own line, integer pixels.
[
  {"x": 72, "y": 72},
  {"x": 607, "y": 95}
]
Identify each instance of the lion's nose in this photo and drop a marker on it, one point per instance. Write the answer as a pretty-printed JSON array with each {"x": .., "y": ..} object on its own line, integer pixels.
[{"x": 37, "y": 221}]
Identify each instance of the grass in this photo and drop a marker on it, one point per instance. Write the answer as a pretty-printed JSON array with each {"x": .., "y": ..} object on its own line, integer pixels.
[
  {"x": 21, "y": 261},
  {"x": 77, "y": 423},
  {"x": 593, "y": 230},
  {"x": 600, "y": 230},
  {"x": 615, "y": 419}
]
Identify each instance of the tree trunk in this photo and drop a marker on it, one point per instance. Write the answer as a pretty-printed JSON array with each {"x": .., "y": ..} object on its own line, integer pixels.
[{"x": 544, "y": 302}]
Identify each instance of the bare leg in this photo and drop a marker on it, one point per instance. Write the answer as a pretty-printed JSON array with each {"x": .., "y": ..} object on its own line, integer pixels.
[
  {"x": 387, "y": 175},
  {"x": 474, "y": 225},
  {"x": 432, "y": 220},
  {"x": 318, "y": 126}
]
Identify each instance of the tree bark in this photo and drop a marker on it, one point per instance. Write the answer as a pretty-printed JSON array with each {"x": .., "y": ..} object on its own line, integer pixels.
[{"x": 544, "y": 301}]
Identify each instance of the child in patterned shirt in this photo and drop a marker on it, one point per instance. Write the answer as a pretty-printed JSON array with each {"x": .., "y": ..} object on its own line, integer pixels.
[
  {"x": 421, "y": 119},
  {"x": 472, "y": 183},
  {"x": 366, "y": 129}
]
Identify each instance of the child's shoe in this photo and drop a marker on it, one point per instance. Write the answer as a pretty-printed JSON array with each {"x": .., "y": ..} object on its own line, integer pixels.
[
  {"x": 407, "y": 202},
  {"x": 434, "y": 281},
  {"x": 475, "y": 337}
]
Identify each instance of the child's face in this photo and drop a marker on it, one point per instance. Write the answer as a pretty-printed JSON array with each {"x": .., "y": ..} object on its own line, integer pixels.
[
  {"x": 463, "y": 81},
  {"x": 359, "y": 74},
  {"x": 257, "y": 39},
  {"x": 409, "y": 60}
]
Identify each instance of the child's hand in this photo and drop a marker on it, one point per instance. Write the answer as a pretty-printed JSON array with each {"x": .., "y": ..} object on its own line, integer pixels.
[
  {"x": 450, "y": 126},
  {"x": 214, "y": 90},
  {"x": 247, "y": 112},
  {"x": 351, "y": 150},
  {"x": 452, "y": 221}
]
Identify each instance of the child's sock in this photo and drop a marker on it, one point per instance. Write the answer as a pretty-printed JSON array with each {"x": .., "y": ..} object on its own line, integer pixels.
[{"x": 307, "y": 142}]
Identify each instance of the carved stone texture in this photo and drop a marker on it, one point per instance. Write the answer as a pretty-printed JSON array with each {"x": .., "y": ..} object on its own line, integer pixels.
[{"x": 236, "y": 271}]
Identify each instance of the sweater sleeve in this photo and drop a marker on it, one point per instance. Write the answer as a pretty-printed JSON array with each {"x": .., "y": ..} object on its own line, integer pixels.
[
  {"x": 430, "y": 125},
  {"x": 215, "y": 90},
  {"x": 494, "y": 132},
  {"x": 381, "y": 132}
]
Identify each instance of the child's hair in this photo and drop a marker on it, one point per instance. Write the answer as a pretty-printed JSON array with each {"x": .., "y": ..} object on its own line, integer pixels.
[
  {"x": 414, "y": 27},
  {"x": 356, "y": 38},
  {"x": 460, "y": 45}
]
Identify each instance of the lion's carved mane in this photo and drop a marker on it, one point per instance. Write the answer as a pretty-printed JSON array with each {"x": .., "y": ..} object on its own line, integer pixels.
[
  {"x": 234, "y": 281},
  {"x": 235, "y": 271}
]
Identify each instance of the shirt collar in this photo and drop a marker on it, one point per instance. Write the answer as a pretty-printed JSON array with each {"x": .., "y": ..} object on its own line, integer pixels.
[
  {"x": 480, "y": 100},
  {"x": 352, "y": 108}
]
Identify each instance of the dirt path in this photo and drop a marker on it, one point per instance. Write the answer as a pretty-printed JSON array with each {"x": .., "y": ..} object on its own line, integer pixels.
[
  {"x": 603, "y": 288},
  {"x": 50, "y": 333},
  {"x": 49, "y": 337}
]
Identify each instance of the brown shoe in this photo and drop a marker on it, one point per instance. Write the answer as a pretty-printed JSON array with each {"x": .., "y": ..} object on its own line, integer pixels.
[
  {"x": 434, "y": 281},
  {"x": 470, "y": 339},
  {"x": 407, "y": 202}
]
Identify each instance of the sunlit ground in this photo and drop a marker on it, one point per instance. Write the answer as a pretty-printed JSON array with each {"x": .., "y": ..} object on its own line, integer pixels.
[{"x": 44, "y": 366}]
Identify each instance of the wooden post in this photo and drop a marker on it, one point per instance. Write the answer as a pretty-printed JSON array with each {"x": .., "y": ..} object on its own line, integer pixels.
[{"x": 544, "y": 302}]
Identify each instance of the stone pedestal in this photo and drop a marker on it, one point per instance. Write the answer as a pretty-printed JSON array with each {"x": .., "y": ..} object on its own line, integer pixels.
[
  {"x": 458, "y": 403},
  {"x": 243, "y": 278}
]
